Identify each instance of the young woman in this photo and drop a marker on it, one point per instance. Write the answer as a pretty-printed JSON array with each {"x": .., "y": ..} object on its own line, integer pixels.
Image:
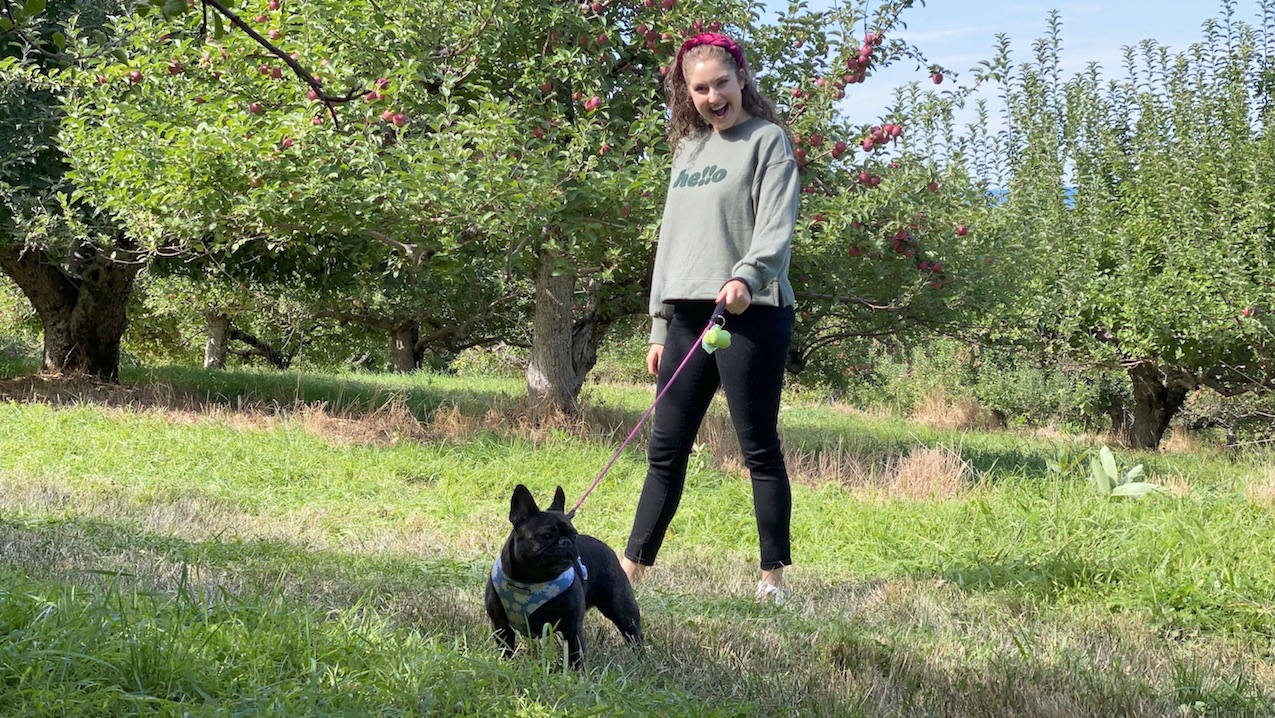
[{"x": 726, "y": 238}]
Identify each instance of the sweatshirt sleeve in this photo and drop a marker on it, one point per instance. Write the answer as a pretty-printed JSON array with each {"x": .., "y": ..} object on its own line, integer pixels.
[{"x": 776, "y": 193}]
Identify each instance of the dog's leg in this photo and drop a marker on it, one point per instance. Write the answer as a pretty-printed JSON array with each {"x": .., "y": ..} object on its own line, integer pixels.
[
  {"x": 499, "y": 621},
  {"x": 620, "y": 607},
  {"x": 574, "y": 635}
]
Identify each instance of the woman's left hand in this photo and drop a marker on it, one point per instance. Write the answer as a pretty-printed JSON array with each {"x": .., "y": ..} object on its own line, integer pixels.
[{"x": 736, "y": 295}]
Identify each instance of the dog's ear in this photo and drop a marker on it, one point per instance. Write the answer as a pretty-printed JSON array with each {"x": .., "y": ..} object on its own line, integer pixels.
[
  {"x": 559, "y": 500},
  {"x": 522, "y": 506}
]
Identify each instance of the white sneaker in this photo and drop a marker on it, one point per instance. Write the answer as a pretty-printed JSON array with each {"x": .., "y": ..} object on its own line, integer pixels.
[{"x": 770, "y": 593}]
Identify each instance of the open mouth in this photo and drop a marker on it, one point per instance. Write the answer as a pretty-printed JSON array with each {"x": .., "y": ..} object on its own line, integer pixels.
[{"x": 720, "y": 112}]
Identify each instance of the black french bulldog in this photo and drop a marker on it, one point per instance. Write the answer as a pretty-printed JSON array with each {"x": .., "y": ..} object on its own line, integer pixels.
[{"x": 547, "y": 574}]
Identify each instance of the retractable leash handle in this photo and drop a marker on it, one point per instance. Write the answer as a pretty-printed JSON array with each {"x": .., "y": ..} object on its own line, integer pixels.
[{"x": 715, "y": 327}]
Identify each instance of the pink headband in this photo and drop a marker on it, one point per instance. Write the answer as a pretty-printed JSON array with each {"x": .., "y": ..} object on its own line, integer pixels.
[{"x": 711, "y": 38}]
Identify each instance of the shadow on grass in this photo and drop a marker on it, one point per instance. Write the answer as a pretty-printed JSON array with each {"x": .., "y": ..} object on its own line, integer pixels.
[
  {"x": 725, "y": 656},
  {"x": 192, "y": 389}
]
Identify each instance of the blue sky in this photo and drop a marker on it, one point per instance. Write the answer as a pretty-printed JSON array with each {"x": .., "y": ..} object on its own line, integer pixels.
[{"x": 958, "y": 33}]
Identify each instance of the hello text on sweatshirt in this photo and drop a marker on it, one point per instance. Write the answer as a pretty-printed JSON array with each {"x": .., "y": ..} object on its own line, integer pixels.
[{"x": 730, "y": 213}]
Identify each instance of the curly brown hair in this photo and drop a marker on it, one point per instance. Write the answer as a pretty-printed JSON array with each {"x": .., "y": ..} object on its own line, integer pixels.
[{"x": 684, "y": 119}]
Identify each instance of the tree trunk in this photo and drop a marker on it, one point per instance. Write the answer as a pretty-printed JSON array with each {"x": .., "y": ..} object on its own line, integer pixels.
[
  {"x": 1157, "y": 396},
  {"x": 260, "y": 347},
  {"x": 552, "y": 381},
  {"x": 218, "y": 341},
  {"x": 82, "y": 304},
  {"x": 403, "y": 338}
]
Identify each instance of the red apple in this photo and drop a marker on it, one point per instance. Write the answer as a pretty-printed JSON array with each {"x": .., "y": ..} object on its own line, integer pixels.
[
  {"x": 816, "y": 140},
  {"x": 101, "y": 79},
  {"x": 626, "y": 210},
  {"x": 1249, "y": 312},
  {"x": 274, "y": 4},
  {"x": 256, "y": 108},
  {"x": 668, "y": 4},
  {"x": 937, "y": 78},
  {"x": 317, "y": 120},
  {"x": 399, "y": 119},
  {"x": 175, "y": 67},
  {"x": 286, "y": 143},
  {"x": 592, "y": 103},
  {"x": 387, "y": 115},
  {"x": 262, "y": 18},
  {"x": 199, "y": 100},
  {"x": 838, "y": 149},
  {"x": 596, "y": 8},
  {"x": 135, "y": 77},
  {"x": 382, "y": 83},
  {"x": 932, "y": 186},
  {"x": 372, "y": 96},
  {"x": 962, "y": 230},
  {"x": 538, "y": 132},
  {"x": 273, "y": 34},
  {"x": 312, "y": 94},
  {"x": 276, "y": 73}
]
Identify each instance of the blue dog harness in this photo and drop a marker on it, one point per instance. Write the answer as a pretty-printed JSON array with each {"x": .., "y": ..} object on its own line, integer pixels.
[{"x": 522, "y": 599}]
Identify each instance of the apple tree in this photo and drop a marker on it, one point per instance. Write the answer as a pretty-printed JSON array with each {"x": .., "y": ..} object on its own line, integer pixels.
[
  {"x": 890, "y": 244},
  {"x": 1141, "y": 199},
  {"x": 520, "y": 149},
  {"x": 74, "y": 264}
]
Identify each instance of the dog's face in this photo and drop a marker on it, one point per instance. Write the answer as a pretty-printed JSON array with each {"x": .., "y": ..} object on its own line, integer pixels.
[{"x": 544, "y": 542}]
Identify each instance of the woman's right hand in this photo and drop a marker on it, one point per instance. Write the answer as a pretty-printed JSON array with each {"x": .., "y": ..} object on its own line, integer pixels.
[{"x": 653, "y": 358}]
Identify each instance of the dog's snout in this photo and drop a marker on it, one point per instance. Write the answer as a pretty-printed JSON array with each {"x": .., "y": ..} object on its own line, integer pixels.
[{"x": 565, "y": 542}]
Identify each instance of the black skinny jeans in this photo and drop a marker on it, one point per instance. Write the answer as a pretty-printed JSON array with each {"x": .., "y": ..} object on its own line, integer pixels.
[{"x": 751, "y": 373}]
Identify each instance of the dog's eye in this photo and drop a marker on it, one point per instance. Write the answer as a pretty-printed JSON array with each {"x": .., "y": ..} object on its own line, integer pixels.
[{"x": 546, "y": 535}]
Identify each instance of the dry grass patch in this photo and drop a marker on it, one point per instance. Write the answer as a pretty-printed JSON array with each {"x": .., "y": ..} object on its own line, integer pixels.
[
  {"x": 1261, "y": 489},
  {"x": 964, "y": 414},
  {"x": 931, "y": 473},
  {"x": 1184, "y": 442}
]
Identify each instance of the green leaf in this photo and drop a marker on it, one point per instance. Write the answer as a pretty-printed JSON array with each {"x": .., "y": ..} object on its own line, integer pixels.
[
  {"x": 1099, "y": 476},
  {"x": 1136, "y": 489},
  {"x": 33, "y": 8},
  {"x": 1133, "y": 474},
  {"x": 5, "y": 24},
  {"x": 219, "y": 29},
  {"x": 1109, "y": 462},
  {"x": 59, "y": 41}
]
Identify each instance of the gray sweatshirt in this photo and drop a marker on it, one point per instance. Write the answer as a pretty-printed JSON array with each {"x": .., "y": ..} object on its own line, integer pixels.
[{"x": 730, "y": 213}]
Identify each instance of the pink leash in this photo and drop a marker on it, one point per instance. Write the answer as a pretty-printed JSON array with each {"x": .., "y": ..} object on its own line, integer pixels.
[{"x": 716, "y": 319}]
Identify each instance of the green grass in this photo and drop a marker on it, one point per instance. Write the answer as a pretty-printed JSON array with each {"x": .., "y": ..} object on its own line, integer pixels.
[{"x": 219, "y": 561}]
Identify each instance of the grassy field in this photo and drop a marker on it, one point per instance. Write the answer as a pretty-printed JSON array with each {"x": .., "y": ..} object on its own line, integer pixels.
[{"x": 196, "y": 543}]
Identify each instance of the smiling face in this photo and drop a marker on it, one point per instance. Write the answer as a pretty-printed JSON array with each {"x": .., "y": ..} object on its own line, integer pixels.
[{"x": 715, "y": 89}]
